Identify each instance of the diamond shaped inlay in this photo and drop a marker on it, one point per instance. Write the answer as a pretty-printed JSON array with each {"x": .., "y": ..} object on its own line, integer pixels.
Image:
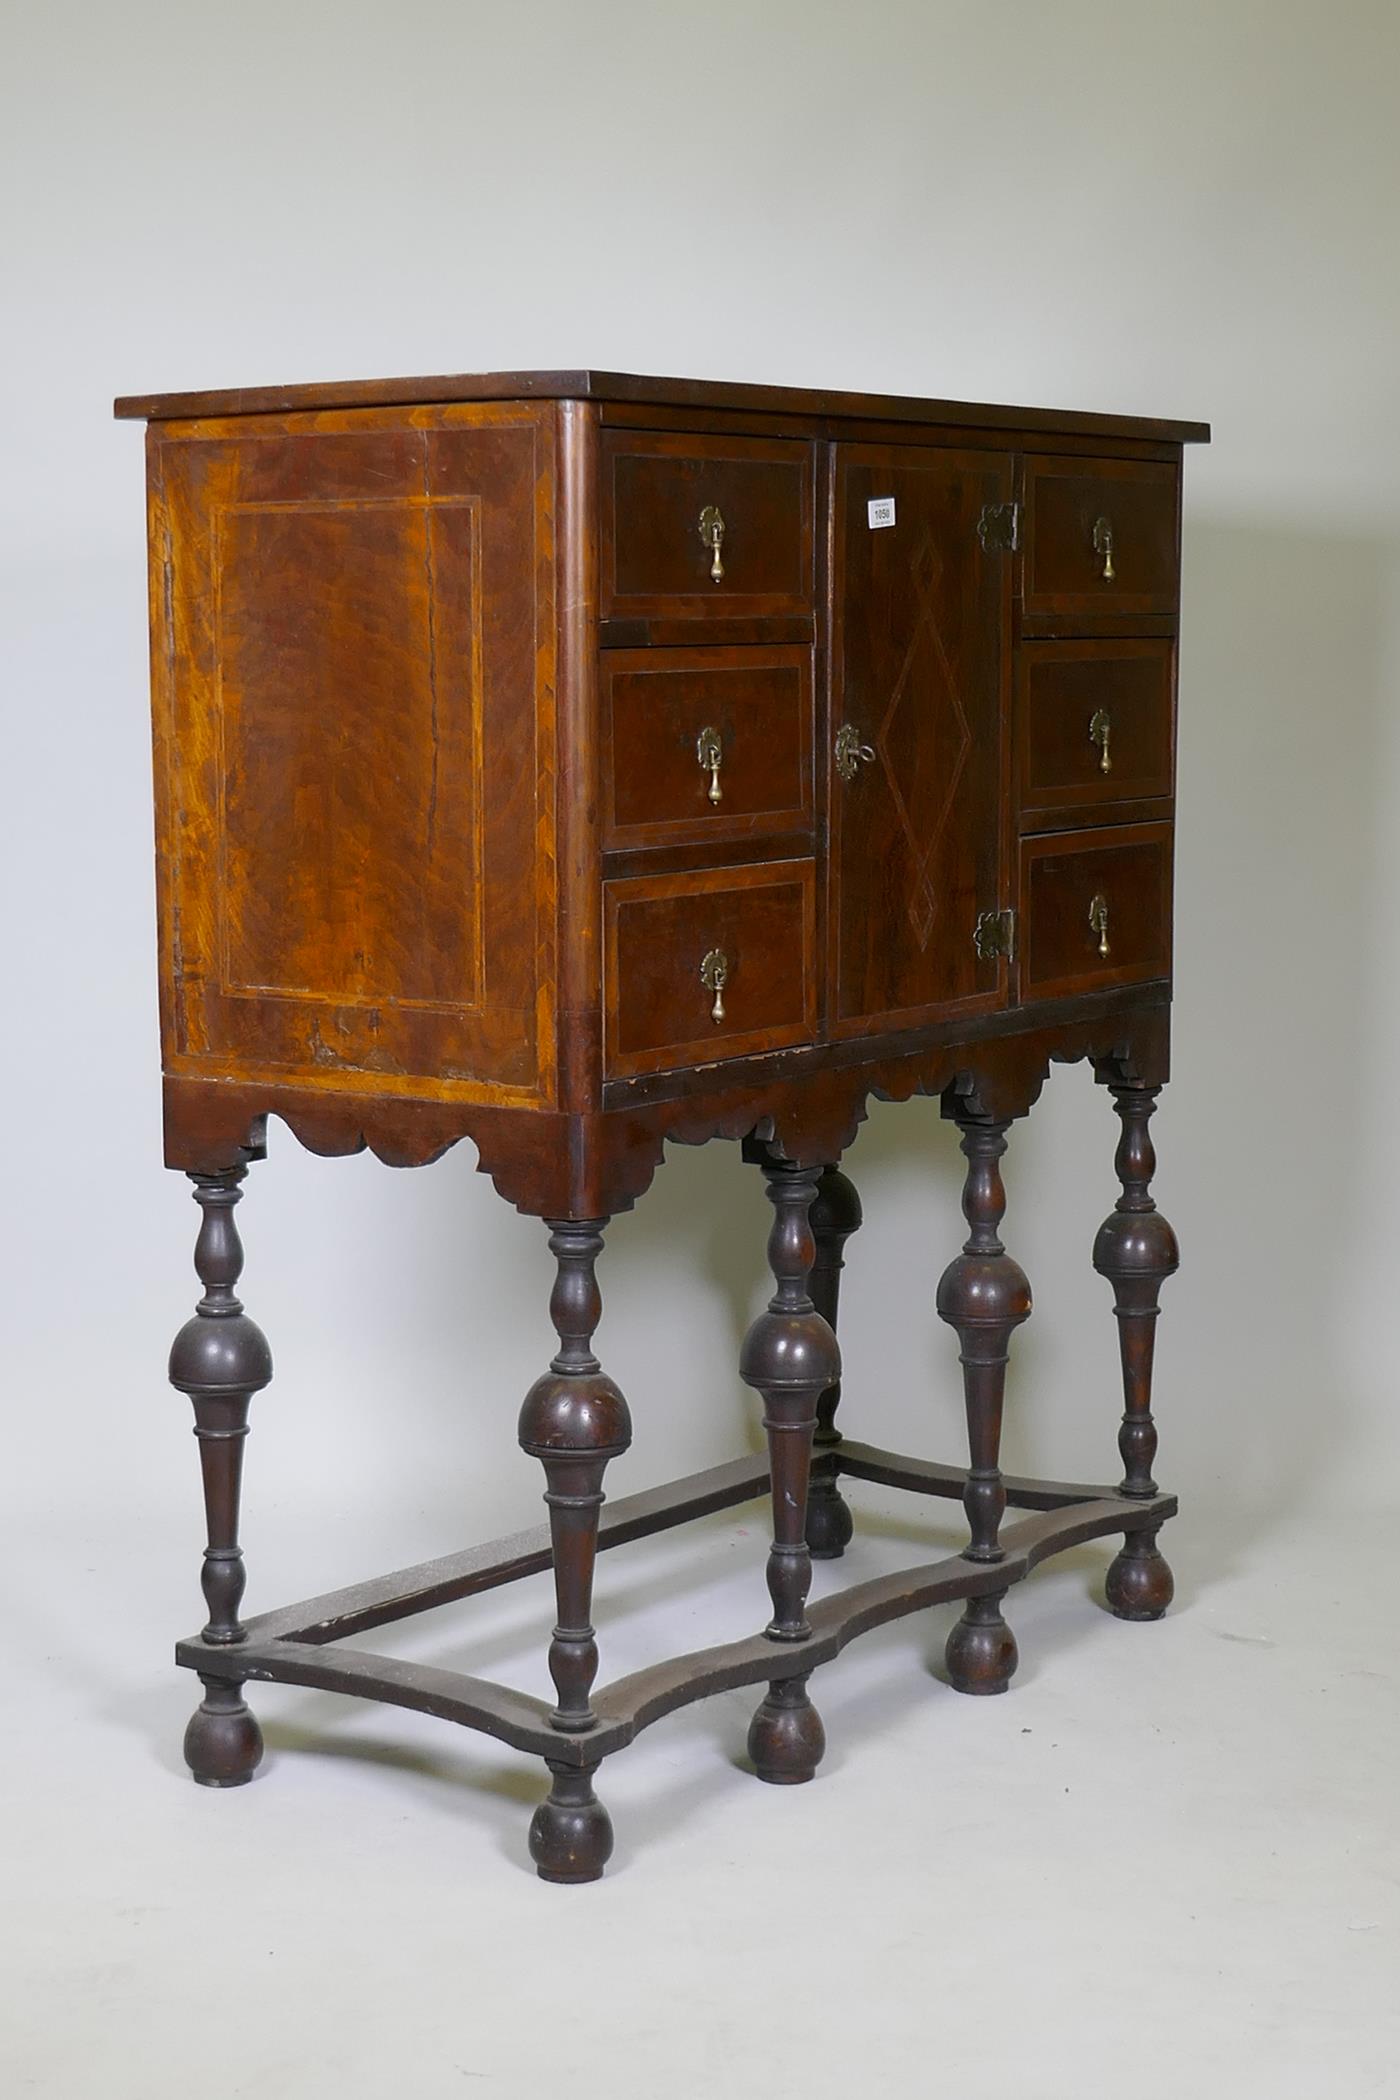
[{"x": 924, "y": 764}]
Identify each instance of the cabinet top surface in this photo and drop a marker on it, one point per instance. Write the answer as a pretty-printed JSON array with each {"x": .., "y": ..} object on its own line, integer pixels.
[{"x": 709, "y": 394}]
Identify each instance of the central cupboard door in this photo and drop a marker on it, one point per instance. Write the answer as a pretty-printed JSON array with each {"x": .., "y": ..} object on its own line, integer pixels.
[{"x": 920, "y": 664}]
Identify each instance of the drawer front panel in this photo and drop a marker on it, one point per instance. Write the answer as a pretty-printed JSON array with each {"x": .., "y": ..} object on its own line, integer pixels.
[
  {"x": 1094, "y": 723},
  {"x": 1091, "y": 892},
  {"x": 705, "y": 744},
  {"x": 1101, "y": 536},
  {"x": 654, "y": 558},
  {"x": 660, "y": 1010}
]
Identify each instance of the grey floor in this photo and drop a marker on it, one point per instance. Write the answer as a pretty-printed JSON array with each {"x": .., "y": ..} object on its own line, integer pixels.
[{"x": 1165, "y": 1864}]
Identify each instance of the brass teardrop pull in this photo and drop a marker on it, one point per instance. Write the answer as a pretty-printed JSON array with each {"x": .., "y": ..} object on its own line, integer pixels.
[
  {"x": 1098, "y": 922},
  {"x": 710, "y": 753},
  {"x": 712, "y": 533},
  {"x": 1100, "y": 730},
  {"x": 1103, "y": 546},
  {"x": 714, "y": 975}
]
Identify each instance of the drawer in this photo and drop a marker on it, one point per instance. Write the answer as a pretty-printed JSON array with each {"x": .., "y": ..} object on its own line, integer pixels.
[
  {"x": 705, "y": 744},
  {"x": 1093, "y": 724},
  {"x": 1101, "y": 536},
  {"x": 660, "y": 999},
  {"x": 654, "y": 558},
  {"x": 1089, "y": 891}
]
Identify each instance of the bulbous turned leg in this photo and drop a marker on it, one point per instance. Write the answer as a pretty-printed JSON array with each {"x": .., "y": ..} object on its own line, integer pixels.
[
  {"x": 786, "y": 1737},
  {"x": 571, "y": 1833},
  {"x": 574, "y": 1420},
  {"x": 790, "y": 1357},
  {"x": 220, "y": 1359},
  {"x": 981, "y": 1654},
  {"x": 223, "y": 1743},
  {"x": 1139, "y": 1585},
  {"x": 984, "y": 1296},
  {"x": 834, "y": 1216},
  {"x": 1136, "y": 1250}
]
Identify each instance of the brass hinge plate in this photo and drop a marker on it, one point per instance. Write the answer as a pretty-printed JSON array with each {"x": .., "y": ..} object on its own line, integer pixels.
[
  {"x": 995, "y": 935},
  {"x": 999, "y": 528}
]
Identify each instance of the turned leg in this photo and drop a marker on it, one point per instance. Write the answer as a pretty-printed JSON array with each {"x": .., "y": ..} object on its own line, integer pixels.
[
  {"x": 1136, "y": 1250},
  {"x": 574, "y": 1420},
  {"x": 983, "y": 1295},
  {"x": 834, "y": 1216},
  {"x": 220, "y": 1359},
  {"x": 790, "y": 1357}
]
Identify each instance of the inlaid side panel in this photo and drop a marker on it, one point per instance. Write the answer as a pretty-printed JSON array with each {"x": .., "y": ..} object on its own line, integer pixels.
[
  {"x": 351, "y": 823},
  {"x": 354, "y": 690}
]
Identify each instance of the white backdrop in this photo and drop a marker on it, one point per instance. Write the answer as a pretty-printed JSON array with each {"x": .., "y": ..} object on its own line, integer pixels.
[{"x": 1185, "y": 210}]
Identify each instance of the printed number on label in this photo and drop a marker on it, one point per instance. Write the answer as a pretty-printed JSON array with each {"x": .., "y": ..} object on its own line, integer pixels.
[{"x": 880, "y": 510}]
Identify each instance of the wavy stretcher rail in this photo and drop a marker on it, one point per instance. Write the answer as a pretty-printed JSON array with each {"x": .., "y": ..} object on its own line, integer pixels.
[{"x": 290, "y": 1646}]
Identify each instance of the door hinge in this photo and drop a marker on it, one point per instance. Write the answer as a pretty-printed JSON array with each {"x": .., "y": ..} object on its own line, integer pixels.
[
  {"x": 999, "y": 528},
  {"x": 995, "y": 935}
]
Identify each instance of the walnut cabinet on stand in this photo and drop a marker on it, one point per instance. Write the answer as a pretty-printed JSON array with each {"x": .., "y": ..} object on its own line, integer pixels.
[{"x": 569, "y": 762}]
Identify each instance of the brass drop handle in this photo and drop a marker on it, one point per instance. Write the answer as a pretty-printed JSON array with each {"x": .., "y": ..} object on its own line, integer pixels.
[
  {"x": 714, "y": 975},
  {"x": 1098, "y": 922},
  {"x": 851, "y": 753},
  {"x": 1103, "y": 546},
  {"x": 712, "y": 533},
  {"x": 710, "y": 753},
  {"x": 1100, "y": 730}
]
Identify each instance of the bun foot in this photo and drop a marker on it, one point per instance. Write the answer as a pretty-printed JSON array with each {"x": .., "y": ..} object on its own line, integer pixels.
[
  {"x": 571, "y": 1833},
  {"x": 786, "y": 1738},
  {"x": 830, "y": 1525},
  {"x": 223, "y": 1743},
  {"x": 981, "y": 1655},
  {"x": 1139, "y": 1583}
]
